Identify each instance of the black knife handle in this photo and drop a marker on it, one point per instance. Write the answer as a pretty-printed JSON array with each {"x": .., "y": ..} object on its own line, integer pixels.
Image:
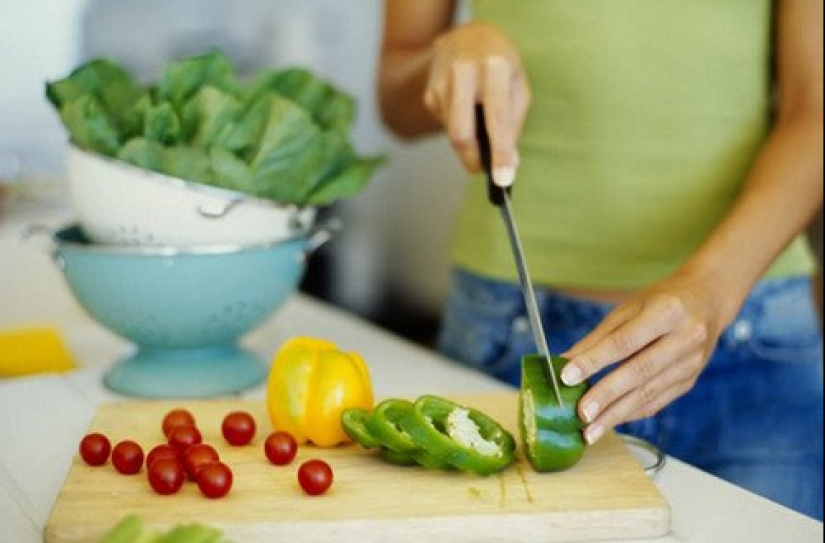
[{"x": 494, "y": 192}]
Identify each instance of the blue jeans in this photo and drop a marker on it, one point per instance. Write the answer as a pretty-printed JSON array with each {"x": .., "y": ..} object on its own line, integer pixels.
[{"x": 754, "y": 417}]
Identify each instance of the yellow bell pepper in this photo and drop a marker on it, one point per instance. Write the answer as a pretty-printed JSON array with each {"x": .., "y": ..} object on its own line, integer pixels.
[{"x": 311, "y": 382}]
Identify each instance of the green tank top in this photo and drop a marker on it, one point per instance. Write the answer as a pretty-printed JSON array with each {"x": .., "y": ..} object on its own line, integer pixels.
[{"x": 646, "y": 117}]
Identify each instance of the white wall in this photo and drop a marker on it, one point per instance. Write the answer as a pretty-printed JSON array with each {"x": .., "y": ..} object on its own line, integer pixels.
[{"x": 38, "y": 39}]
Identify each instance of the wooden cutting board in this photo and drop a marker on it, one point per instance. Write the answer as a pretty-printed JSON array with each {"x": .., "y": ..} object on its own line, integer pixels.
[{"x": 606, "y": 496}]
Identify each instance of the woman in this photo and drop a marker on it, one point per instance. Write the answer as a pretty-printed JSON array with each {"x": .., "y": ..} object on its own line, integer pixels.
[{"x": 666, "y": 169}]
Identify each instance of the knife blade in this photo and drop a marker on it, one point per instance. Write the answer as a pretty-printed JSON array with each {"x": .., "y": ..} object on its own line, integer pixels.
[{"x": 500, "y": 197}]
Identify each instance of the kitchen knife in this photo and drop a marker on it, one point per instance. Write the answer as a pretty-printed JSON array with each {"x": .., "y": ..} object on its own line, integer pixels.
[{"x": 500, "y": 197}]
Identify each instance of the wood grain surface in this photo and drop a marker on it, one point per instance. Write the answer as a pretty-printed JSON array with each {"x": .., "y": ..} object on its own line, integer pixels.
[{"x": 606, "y": 496}]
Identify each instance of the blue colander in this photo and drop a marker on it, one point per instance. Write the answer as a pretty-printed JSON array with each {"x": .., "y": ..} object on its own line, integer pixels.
[{"x": 184, "y": 309}]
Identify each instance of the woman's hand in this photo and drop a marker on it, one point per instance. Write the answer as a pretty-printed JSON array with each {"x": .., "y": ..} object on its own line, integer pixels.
[
  {"x": 660, "y": 341},
  {"x": 473, "y": 64}
]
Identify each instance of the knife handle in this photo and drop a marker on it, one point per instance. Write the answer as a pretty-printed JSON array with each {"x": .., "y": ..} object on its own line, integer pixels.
[{"x": 495, "y": 193}]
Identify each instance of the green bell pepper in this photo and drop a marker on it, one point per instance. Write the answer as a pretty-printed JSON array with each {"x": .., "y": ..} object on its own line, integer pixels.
[
  {"x": 385, "y": 424},
  {"x": 551, "y": 434},
  {"x": 355, "y": 421},
  {"x": 398, "y": 458},
  {"x": 464, "y": 437}
]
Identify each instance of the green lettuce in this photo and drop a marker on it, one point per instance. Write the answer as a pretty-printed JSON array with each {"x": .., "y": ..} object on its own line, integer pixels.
[{"x": 282, "y": 134}]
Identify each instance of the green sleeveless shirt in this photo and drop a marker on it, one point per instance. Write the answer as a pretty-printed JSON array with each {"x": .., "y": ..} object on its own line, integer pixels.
[{"x": 646, "y": 117}]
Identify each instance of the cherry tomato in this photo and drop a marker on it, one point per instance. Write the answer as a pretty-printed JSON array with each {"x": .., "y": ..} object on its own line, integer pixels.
[
  {"x": 177, "y": 417},
  {"x": 280, "y": 448},
  {"x": 197, "y": 456},
  {"x": 214, "y": 480},
  {"x": 161, "y": 451},
  {"x": 315, "y": 477},
  {"x": 166, "y": 476},
  {"x": 183, "y": 437},
  {"x": 95, "y": 449},
  {"x": 238, "y": 428},
  {"x": 127, "y": 457}
]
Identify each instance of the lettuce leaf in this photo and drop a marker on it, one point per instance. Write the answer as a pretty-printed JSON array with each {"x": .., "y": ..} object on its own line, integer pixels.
[{"x": 281, "y": 135}]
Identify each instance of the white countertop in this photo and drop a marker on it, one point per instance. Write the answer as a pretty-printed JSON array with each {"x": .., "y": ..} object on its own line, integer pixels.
[{"x": 43, "y": 417}]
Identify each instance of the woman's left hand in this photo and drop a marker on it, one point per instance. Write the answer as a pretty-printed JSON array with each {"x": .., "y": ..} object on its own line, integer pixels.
[{"x": 659, "y": 340}]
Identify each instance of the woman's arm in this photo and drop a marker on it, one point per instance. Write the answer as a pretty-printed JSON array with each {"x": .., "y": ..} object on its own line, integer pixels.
[
  {"x": 410, "y": 30},
  {"x": 666, "y": 334},
  {"x": 432, "y": 75}
]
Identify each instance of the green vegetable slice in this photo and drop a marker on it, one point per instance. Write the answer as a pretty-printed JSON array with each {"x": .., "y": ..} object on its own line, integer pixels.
[
  {"x": 463, "y": 437},
  {"x": 385, "y": 424},
  {"x": 551, "y": 434},
  {"x": 398, "y": 458},
  {"x": 354, "y": 421}
]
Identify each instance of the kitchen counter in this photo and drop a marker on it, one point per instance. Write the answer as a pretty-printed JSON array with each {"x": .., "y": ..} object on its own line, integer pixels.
[{"x": 42, "y": 417}]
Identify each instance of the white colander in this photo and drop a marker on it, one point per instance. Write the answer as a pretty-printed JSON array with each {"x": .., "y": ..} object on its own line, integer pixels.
[{"x": 117, "y": 203}]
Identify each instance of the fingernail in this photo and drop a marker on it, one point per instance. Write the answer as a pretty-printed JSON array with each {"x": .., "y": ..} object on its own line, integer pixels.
[
  {"x": 593, "y": 433},
  {"x": 504, "y": 177},
  {"x": 590, "y": 411},
  {"x": 571, "y": 375}
]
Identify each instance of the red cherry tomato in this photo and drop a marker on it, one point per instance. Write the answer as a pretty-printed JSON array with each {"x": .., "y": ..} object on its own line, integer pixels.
[
  {"x": 177, "y": 417},
  {"x": 161, "y": 451},
  {"x": 95, "y": 448},
  {"x": 127, "y": 457},
  {"x": 196, "y": 457},
  {"x": 280, "y": 448},
  {"x": 183, "y": 437},
  {"x": 238, "y": 428},
  {"x": 166, "y": 476},
  {"x": 315, "y": 477},
  {"x": 214, "y": 480}
]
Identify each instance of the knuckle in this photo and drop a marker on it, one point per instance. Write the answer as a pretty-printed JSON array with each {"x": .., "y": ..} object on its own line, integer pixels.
[
  {"x": 462, "y": 71},
  {"x": 698, "y": 333},
  {"x": 461, "y": 141},
  {"x": 434, "y": 96},
  {"x": 647, "y": 398},
  {"x": 671, "y": 307},
  {"x": 587, "y": 365},
  {"x": 645, "y": 369},
  {"x": 496, "y": 63},
  {"x": 431, "y": 99},
  {"x": 623, "y": 344}
]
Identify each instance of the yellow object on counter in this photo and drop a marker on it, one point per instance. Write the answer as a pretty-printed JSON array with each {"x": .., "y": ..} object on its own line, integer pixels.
[
  {"x": 29, "y": 351},
  {"x": 311, "y": 382}
]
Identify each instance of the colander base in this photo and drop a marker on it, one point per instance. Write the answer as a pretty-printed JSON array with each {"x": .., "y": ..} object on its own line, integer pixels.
[{"x": 197, "y": 372}]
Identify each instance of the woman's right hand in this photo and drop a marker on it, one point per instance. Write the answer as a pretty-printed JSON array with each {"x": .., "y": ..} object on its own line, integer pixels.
[{"x": 478, "y": 64}]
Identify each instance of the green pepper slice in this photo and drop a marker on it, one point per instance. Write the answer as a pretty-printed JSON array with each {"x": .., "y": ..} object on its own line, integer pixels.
[
  {"x": 354, "y": 421},
  {"x": 551, "y": 434},
  {"x": 397, "y": 458},
  {"x": 464, "y": 437},
  {"x": 385, "y": 424}
]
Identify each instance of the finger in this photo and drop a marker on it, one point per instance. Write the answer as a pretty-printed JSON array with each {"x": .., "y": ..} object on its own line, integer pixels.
[
  {"x": 522, "y": 99},
  {"x": 497, "y": 96},
  {"x": 641, "y": 403},
  {"x": 460, "y": 114},
  {"x": 616, "y": 318},
  {"x": 660, "y": 357},
  {"x": 432, "y": 101},
  {"x": 619, "y": 344}
]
